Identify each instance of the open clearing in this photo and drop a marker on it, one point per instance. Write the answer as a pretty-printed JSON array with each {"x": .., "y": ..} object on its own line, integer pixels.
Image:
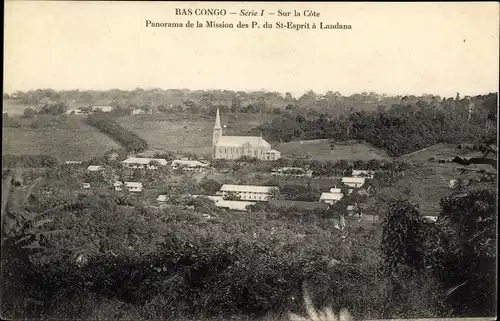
[
  {"x": 187, "y": 133},
  {"x": 72, "y": 140},
  {"x": 319, "y": 149}
]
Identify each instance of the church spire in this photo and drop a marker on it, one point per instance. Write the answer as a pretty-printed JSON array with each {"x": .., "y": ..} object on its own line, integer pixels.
[{"x": 217, "y": 120}]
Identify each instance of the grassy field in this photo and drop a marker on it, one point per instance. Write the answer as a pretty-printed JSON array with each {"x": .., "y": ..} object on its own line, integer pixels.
[
  {"x": 188, "y": 133},
  {"x": 438, "y": 151},
  {"x": 14, "y": 107},
  {"x": 68, "y": 140},
  {"x": 426, "y": 186},
  {"x": 320, "y": 149}
]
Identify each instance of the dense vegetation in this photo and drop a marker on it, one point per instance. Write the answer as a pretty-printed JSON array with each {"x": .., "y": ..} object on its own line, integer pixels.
[
  {"x": 35, "y": 161},
  {"x": 172, "y": 262},
  {"x": 106, "y": 124},
  {"x": 402, "y": 129}
]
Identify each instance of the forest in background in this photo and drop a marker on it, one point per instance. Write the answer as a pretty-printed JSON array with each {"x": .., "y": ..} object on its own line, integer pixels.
[{"x": 398, "y": 125}]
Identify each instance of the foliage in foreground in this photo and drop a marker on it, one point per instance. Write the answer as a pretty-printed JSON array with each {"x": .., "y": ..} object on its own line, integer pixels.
[{"x": 173, "y": 262}]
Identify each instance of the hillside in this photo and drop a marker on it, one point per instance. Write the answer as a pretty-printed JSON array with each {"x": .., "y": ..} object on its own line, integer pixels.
[
  {"x": 320, "y": 149},
  {"x": 68, "y": 140},
  {"x": 438, "y": 151},
  {"x": 187, "y": 132}
]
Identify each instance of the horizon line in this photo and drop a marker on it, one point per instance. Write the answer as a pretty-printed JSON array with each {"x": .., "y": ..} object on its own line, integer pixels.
[{"x": 252, "y": 90}]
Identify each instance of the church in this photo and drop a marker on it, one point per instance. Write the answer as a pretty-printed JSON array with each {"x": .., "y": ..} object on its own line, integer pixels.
[{"x": 233, "y": 147}]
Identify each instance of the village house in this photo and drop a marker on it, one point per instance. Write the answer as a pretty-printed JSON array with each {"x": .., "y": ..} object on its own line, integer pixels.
[
  {"x": 189, "y": 165},
  {"x": 248, "y": 192},
  {"x": 130, "y": 186},
  {"x": 234, "y": 147},
  {"x": 330, "y": 198},
  {"x": 137, "y": 111},
  {"x": 94, "y": 168},
  {"x": 363, "y": 173},
  {"x": 105, "y": 109},
  {"x": 74, "y": 111},
  {"x": 85, "y": 185},
  {"x": 144, "y": 163},
  {"x": 162, "y": 199},
  {"x": 73, "y": 162},
  {"x": 292, "y": 171},
  {"x": 353, "y": 182}
]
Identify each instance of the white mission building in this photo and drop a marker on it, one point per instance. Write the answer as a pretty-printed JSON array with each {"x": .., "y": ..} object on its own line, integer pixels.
[{"x": 233, "y": 147}]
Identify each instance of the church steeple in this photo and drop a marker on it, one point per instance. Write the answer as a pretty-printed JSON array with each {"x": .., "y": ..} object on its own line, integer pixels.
[
  {"x": 217, "y": 120},
  {"x": 217, "y": 131}
]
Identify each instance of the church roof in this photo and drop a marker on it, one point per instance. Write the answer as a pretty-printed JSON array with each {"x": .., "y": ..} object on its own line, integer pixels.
[{"x": 242, "y": 141}]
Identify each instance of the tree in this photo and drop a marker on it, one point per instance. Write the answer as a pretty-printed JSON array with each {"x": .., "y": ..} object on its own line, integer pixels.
[
  {"x": 210, "y": 186},
  {"x": 403, "y": 237},
  {"x": 54, "y": 109},
  {"x": 467, "y": 261},
  {"x": 29, "y": 113},
  {"x": 235, "y": 104}
]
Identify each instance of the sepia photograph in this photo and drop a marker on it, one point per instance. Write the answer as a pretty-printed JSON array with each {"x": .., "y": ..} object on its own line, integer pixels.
[{"x": 249, "y": 161}]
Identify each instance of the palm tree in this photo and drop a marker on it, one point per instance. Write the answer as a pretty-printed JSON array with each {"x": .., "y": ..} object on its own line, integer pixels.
[
  {"x": 317, "y": 315},
  {"x": 275, "y": 193},
  {"x": 21, "y": 229}
]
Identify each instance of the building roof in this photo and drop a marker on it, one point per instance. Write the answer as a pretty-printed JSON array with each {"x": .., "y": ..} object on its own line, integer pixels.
[
  {"x": 73, "y": 162},
  {"x": 189, "y": 163},
  {"x": 144, "y": 160},
  {"x": 335, "y": 190},
  {"x": 242, "y": 141},
  {"x": 94, "y": 168},
  {"x": 102, "y": 107},
  {"x": 284, "y": 169},
  {"x": 234, "y": 205},
  {"x": 299, "y": 204},
  {"x": 331, "y": 196},
  {"x": 128, "y": 184},
  {"x": 213, "y": 198},
  {"x": 360, "y": 180},
  {"x": 362, "y": 172},
  {"x": 161, "y": 198},
  {"x": 246, "y": 188}
]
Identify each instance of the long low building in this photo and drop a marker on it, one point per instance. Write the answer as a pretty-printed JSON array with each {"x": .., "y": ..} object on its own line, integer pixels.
[
  {"x": 130, "y": 186},
  {"x": 248, "y": 192},
  {"x": 189, "y": 165},
  {"x": 232, "y": 205},
  {"x": 292, "y": 171},
  {"x": 363, "y": 173},
  {"x": 354, "y": 182},
  {"x": 144, "y": 162}
]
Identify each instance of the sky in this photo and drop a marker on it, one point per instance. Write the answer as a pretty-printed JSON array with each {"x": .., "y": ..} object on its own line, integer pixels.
[{"x": 392, "y": 48}]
